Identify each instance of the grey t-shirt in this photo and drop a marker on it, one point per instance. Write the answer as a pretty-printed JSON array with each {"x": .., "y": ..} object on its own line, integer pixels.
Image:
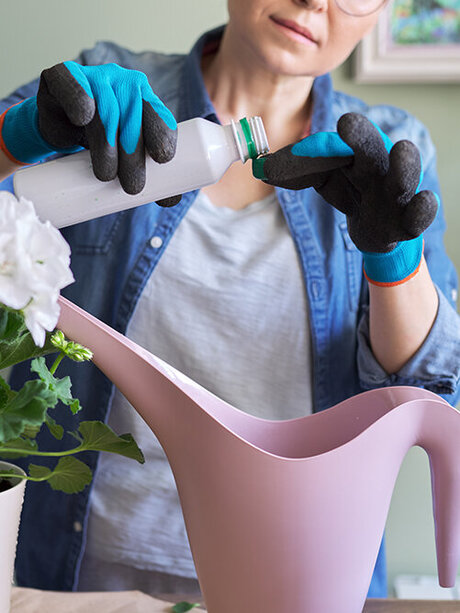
[{"x": 226, "y": 305}]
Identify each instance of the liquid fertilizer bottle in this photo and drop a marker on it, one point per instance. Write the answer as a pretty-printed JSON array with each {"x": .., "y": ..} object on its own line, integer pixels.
[{"x": 65, "y": 191}]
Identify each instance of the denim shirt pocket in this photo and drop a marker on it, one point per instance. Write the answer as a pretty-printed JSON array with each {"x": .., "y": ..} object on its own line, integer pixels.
[
  {"x": 353, "y": 267},
  {"x": 94, "y": 237}
]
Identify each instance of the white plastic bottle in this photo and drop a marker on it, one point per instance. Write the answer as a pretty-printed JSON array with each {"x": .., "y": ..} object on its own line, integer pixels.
[{"x": 65, "y": 191}]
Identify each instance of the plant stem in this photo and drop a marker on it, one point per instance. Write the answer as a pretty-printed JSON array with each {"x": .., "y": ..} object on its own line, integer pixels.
[
  {"x": 9, "y": 450},
  {"x": 56, "y": 363},
  {"x": 19, "y": 476}
]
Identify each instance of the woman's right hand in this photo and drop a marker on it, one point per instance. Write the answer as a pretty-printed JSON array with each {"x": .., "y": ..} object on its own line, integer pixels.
[{"x": 110, "y": 110}]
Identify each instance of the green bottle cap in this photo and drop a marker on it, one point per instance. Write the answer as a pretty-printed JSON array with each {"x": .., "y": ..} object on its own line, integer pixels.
[
  {"x": 258, "y": 168},
  {"x": 248, "y": 136}
]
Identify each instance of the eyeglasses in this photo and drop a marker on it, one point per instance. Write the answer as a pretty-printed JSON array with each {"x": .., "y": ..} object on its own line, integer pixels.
[{"x": 359, "y": 8}]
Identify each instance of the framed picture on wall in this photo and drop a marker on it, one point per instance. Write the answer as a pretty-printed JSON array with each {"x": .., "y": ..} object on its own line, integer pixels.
[{"x": 414, "y": 41}]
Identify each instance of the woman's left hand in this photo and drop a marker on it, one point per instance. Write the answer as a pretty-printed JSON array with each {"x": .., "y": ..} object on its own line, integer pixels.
[{"x": 373, "y": 182}]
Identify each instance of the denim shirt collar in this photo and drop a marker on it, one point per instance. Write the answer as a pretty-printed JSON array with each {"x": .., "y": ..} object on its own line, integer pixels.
[
  {"x": 195, "y": 100},
  {"x": 323, "y": 119}
]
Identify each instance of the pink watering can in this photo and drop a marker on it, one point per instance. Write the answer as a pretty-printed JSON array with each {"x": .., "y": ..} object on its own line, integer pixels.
[{"x": 285, "y": 515}]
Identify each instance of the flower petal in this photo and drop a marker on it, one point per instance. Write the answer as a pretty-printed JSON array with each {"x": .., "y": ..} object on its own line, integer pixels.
[{"x": 34, "y": 265}]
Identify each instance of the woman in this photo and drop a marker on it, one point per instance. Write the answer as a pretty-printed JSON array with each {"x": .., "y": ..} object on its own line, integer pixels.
[{"x": 256, "y": 294}]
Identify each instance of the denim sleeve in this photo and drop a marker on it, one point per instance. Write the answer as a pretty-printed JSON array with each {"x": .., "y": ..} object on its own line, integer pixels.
[
  {"x": 26, "y": 91},
  {"x": 20, "y": 94},
  {"x": 436, "y": 365}
]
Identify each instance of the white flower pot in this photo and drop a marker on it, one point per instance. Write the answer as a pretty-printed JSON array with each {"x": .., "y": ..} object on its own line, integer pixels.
[{"x": 10, "y": 514}]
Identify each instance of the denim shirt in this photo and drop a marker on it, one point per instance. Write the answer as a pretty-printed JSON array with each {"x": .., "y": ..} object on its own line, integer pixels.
[{"x": 113, "y": 257}]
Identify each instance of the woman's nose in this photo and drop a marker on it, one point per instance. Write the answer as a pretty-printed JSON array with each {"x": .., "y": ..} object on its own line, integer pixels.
[{"x": 312, "y": 5}]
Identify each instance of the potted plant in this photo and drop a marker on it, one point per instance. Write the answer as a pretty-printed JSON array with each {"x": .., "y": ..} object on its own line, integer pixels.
[{"x": 34, "y": 267}]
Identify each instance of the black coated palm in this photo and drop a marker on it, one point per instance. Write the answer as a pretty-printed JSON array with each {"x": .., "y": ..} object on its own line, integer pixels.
[{"x": 374, "y": 188}]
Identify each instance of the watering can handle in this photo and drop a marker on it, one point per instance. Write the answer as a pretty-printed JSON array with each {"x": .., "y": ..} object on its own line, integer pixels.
[{"x": 439, "y": 436}]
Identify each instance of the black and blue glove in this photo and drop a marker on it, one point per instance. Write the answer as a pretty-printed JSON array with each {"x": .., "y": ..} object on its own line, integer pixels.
[
  {"x": 111, "y": 111},
  {"x": 373, "y": 182}
]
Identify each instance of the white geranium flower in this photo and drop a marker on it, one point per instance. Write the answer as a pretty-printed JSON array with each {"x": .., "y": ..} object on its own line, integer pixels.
[{"x": 34, "y": 265}]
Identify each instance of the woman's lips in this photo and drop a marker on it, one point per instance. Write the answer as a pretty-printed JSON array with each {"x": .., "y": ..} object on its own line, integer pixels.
[{"x": 294, "y": 30}]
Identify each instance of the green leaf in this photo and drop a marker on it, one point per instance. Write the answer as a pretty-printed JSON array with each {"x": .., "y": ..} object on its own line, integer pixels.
[
  {"x": 31, "y": 431},
  {"x": 56, "y": 430},
  {"x": 69, "y": 475},
  {"x": 26, "y": 444},
  {"x": 182, "y": 607},
  {"x": 3, "y": 322},
  {"x": 61, "y": 387},
  {"x": 39, "y": 366},
  {"x": 11, "y": 323},
  {"x": 5, "y": 393},
  {"x": 16, "y": 342},
  {"x": 97, "y": 436},
  {"x": 75, "y": 405},
  {"x": 24, "y": 408}
]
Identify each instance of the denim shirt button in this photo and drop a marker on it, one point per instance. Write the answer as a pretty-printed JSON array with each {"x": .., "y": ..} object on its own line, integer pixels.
[
  {"x": 156, "y": 242},
  {"x": 454, "y": 294},
  {"x": 315, "y": 289},
  {"x": 77, "y": 526}
]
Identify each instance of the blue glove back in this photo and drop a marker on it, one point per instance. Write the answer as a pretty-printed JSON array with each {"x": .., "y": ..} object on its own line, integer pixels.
[
  {"x": 108, "y": 109},
  {"x": 323, "y": 145},
  {"x": 120, "y": 94}
]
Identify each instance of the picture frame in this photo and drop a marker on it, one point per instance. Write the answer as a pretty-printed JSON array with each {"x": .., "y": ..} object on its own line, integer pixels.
[{"x": 414, "y": 41}]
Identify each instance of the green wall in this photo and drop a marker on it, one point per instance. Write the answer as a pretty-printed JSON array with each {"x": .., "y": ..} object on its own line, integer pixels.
[{"x": 35, "y": 34}]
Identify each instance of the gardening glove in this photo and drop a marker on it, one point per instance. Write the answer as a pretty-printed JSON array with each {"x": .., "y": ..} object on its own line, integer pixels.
[
  {"x": 373, "y": 182},
  {"x": 111, "y": 111}
]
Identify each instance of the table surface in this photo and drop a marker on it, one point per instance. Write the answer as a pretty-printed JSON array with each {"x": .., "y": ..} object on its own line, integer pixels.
[
  {"x": 373, "y": 605},
  {"x": 412, "y": 606},
  {"x": 36, "y": 601}
]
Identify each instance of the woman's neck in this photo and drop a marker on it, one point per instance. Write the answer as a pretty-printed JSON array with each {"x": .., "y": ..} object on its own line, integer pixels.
[{"x": 241, "y": 87}]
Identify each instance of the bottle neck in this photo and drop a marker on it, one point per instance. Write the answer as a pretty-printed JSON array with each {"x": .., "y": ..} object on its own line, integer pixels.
[{"x": 250, "y": 137}]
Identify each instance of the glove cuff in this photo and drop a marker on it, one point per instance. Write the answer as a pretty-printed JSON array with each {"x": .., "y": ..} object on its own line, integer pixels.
[
  {"x": 396, "y": 266},
  {"x": 20, "y": 137}
]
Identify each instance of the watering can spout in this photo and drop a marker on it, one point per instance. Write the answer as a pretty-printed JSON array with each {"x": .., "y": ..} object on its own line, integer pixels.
[
  {"x": 166, "y": 399},
  {"x": 121, "y": 360}
]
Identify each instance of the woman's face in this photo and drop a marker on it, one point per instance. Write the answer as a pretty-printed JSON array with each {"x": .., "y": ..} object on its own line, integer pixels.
[{"x": 296, "y": 37}]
